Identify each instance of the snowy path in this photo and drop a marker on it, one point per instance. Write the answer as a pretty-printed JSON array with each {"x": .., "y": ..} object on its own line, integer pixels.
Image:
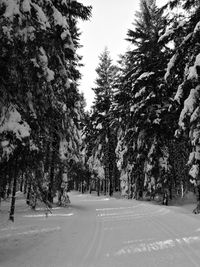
[{"x": 101, "y": 232}]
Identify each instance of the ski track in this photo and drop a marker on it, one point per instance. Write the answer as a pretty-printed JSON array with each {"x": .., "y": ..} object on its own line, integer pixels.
[
  {"x": 134, "y": 212},
  {"x": 49, "y": 215},
  {"x": 44, "y": 209},
  {"x": 180, "y": 241},
  {"x": 31, "y": 232},
  {"x": 90, "y": 249},
  {"x": 148, "y": 245},
  {"x": 96, "y": 200},
  {"x": 109, "y": 231},
  {"x": 157, "y": 245},
  {"x": 120, "y": 208}
]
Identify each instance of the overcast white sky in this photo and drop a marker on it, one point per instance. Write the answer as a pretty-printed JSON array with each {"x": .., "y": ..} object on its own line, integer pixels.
[{"x": 108, "y": 26}]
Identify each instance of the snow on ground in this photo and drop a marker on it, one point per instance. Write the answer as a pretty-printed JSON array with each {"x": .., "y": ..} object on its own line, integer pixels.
[
  {"x": 157, "y": 245},
  {"x": 29, "y": 229},
  {"x": 101, "y": 232}
]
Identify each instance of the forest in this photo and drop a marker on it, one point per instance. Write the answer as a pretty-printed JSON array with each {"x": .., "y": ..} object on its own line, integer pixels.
[{"x": 142, "y": 135}]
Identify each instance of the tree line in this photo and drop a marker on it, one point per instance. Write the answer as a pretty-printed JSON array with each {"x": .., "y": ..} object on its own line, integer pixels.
[
  {"x": 41, "y": 109},
  {"x": 143, "y": 132},
  {"x": 141, "y": 136}
]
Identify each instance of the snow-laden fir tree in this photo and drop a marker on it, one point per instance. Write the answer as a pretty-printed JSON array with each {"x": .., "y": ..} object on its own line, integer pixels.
[
  {"x": 142, "y": 150},
  {"x": 102, "y": 158},
  {"x": 39, "y": 101},
  {"x": 183, "y": 74}
]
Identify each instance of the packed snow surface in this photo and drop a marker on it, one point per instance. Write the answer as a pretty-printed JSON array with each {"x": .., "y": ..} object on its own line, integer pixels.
[{"x": 101, "y": 232}]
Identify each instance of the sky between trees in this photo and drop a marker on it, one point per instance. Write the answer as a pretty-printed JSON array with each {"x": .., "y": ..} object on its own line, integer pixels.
[{"x": 108, "y": 26}]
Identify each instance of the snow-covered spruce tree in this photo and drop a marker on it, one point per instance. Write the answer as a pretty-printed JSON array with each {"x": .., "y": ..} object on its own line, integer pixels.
[
  {"x": 103, "y": 152},
  {"x": 142, "y": 139},
  {"x": 89, "y": 141},
  {"x": 39, "y": 97},
  {"x": 183, "y": 74}
]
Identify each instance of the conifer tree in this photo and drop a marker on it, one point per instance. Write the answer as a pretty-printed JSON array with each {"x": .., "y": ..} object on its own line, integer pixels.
[
  {"x": 183, "y": 74},
  {"x": 145, "y": 97},
  {"x": 105, "y": 139},
  {"x": 39, "y": 98}
]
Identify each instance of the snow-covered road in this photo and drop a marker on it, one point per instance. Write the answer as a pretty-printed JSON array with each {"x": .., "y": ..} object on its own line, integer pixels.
[{"x": 100, "y": 231}]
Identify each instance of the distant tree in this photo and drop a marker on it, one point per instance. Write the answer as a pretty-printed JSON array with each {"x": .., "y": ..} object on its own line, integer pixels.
[{"x": 102, "y": 154}]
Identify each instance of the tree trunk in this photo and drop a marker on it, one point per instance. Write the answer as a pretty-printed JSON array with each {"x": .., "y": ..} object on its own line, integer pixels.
[
  {"x": 51, "y": 178},
  {"x": 90, "y": 187},
  {"x": 197, "y": 192},
  {"x": 82, "y": 186},
  {"x": 22, "y": 182},
  {"x": 105, "y": 186},
  {"x": 47, "y": 158},
  {"x": 110, "y": 189},
  {"x": 12, "y": 208},
  {"x": 98, "y": 187},
  {"x": 110, "y": 181},
  {"x": 9, "y": 189},
  {"x": 55, "y": 148},
  {"x": 25, "y": 183},
  {"x": 28, "y": 194},
  {"x": 60, "y": 181},
  {"x": 9, "y": 181}
]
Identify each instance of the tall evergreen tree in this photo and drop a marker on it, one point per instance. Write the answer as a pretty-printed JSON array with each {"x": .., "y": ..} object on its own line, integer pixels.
[
  {"x": 144, "y": 96},
  {"x": 183, "y": 74},
  {"x": 105, "y": 139},
  {"x": 39, "y": 96}
]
